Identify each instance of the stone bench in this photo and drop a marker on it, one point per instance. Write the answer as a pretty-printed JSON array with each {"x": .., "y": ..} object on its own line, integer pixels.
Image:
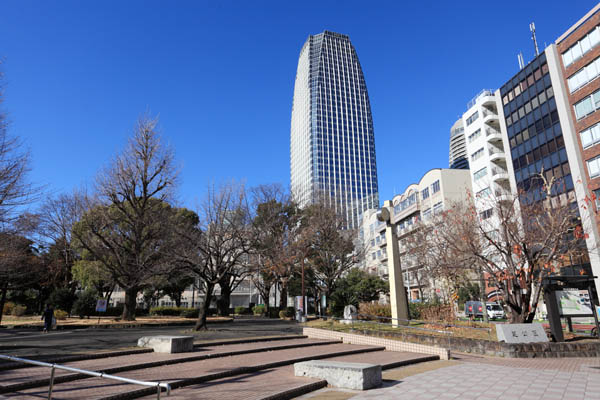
[
  {"x": 168, "y": 344},
  {"x": 357, "y": 376}
]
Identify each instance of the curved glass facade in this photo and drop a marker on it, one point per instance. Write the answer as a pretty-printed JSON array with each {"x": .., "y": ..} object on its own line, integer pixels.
[{"x": 332, "y": 144}]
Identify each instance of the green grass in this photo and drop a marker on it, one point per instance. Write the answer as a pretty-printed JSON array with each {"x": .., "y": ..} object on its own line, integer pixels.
[{"x": 462, "y": 329}]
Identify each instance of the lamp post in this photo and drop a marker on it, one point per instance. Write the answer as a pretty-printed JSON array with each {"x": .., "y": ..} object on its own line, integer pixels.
[{"x": 398, "y": 298}]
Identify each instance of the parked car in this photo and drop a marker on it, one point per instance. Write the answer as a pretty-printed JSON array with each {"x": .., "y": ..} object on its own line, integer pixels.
[{"x": 474, "y": 309}]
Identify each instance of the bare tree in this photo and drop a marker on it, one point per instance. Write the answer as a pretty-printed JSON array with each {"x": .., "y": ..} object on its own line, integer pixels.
[
  {"x": 126, "y": 223},
  {"x": 19, "y": 265},
  {"x": 519, "y": 242},
  {"x": 327, "y": 244},
  {"x": 276, "y": 226},
  {"x": 219, "y": 244}
]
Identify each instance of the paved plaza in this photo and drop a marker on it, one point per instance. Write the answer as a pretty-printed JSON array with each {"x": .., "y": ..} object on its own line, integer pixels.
[
  {"x": 253, "y": 360},
  {"x": 485, "y": 378}
]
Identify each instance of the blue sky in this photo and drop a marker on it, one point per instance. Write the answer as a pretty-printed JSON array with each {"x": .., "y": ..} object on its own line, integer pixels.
[{"x": 221, "y": 75}]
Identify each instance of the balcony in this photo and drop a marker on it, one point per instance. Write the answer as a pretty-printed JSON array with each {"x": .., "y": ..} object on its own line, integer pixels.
[
  {"x": 493, "y": 135},
  {"x": 488, "y": 100},
  {"x": 502, "y": 195},
  {"x": 490, "y": 118},
  {"x": 496, "y": 153},
  {"x": 499, "y": 174}
]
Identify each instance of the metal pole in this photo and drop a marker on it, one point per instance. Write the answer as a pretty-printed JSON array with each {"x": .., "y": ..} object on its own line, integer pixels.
[
  {"x": 50, "y": 387},
  {"x": 303, "y": 301},
  {"x": 158, "y": 391}
]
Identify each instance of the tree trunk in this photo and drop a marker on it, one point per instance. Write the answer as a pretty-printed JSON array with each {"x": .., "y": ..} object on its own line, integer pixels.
[
  {"x": 130, "y": 304},
  {"x": 224, "y": 300},
  {"x": 3, "y": 300},
  {"x": 178, "y": 300},
  {"x": 204, "y": 301},
  {"x": 283, "y": 297}
]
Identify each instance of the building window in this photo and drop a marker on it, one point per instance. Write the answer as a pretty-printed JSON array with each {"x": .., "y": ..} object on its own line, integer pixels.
[
  {"x": 472, "y": 118},
  {"x": 584, "y": 45},
  {"x": 594, "y": 167},
  {"x": 477, "y": 154},
  {"x": 427, "y": 213},
  {"x": 597, "y": 198},
  {"x": 473, "y": 136},
  {"x": 480, "y": 174},
  {"x": 425, "y": 193},
  {"x": 483, "y": 194},
  {"x": 435, "y": 187},
  {"x": 584, "y": 75},
  {"x": 486, "y": 214},
  {"x": 437, "y": 208},
  {"x": 373, "y": 255},
  {"x": 590, "y": 136},
  {"x": 587, "y": 105}
]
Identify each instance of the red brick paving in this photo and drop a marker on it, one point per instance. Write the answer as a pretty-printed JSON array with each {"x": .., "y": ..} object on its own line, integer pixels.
[
  {"x": 265, "y": 383},
  {"x": 95, "y": 388},
  {"x": 10, "y": 377}
]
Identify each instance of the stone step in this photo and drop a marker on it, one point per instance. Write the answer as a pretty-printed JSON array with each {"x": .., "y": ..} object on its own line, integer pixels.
[
  {"x": 190, "y": 373},
  {"x": 19, "y": 379},
  {"x": 282, "y": 384},
  {"x": 6, "y": 365}
]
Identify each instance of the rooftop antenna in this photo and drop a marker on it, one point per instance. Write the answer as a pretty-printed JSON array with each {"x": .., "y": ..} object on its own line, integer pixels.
[
  {"x": 521, "y": 62},
  {"x": 532, "y": 29}
]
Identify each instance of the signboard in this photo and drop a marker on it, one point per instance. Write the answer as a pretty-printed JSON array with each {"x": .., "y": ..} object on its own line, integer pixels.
[
  {"x": 572, "y": 302},
  {"x": 521, "y": 333},
  {"x": 101, "y": 305},
  {"x": 299, "y": 303},
  {"x": 598, "y": 311}
]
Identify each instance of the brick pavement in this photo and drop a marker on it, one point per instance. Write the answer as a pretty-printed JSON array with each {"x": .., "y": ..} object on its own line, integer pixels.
[
  {"x": 10, "y": 377},
  {"x": 94, "y": 388},
  {"x": 261, "y": 384}
]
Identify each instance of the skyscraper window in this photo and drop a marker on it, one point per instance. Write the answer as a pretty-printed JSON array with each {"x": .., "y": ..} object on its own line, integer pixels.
[{"x": 332, "y": 155}]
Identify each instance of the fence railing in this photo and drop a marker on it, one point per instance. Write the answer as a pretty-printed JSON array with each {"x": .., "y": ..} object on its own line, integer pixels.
[{"x": 159, "y": 386}]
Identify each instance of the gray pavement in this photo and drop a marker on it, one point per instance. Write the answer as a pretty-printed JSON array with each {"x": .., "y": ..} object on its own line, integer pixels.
[
  {"x": 486, "y": 378},
  {"x": 33, "y": 343},
  {"x": 488, "y": 381}
]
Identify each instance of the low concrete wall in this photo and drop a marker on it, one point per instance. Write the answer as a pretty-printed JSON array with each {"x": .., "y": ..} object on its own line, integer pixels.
[
  {"x": 389, "y": 344},
  {"x": 489, "y": 347}
]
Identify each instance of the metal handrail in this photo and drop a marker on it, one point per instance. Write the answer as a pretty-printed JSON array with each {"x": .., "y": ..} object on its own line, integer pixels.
[{"x": 158, "y": 385}]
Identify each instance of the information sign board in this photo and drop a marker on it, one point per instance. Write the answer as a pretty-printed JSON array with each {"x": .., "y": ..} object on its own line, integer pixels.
[
  {"x": 101, "y": 305},
  {"x": 573, "y": 302}
]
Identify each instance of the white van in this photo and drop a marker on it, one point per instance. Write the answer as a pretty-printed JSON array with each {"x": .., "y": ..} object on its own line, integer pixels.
[{"x": 495, "y": 311}]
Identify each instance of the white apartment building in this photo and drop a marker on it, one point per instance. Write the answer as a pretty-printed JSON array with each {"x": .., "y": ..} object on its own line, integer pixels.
[
  {"x": 486, "y": 153},
  {"x": 437, "y": 190}
]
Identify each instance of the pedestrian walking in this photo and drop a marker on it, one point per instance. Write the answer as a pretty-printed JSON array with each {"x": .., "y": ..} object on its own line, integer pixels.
[{"x": 48, "y": 318}]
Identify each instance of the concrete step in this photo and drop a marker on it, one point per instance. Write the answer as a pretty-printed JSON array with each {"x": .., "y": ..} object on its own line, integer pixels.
[
  {"x": 6, "y": 365},
  {"x": 190, "y": 373},
  {"x": 282, "y": 384},
  {"x": 18, "y": 379}
]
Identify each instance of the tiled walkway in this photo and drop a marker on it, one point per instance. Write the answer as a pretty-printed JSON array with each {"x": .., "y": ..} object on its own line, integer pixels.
[
  {"x": 488, "y": 378},
  {"x": 471, "y": 380}
]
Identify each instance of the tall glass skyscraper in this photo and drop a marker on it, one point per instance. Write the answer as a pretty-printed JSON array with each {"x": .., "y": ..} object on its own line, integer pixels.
[{"x": 332, "y": 144}]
